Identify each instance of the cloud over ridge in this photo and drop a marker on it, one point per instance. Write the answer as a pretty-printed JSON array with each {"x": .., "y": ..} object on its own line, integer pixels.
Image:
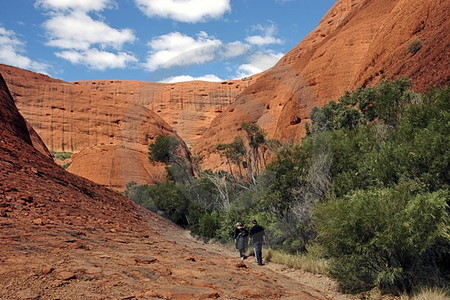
[{"x": 176, "y": 49}]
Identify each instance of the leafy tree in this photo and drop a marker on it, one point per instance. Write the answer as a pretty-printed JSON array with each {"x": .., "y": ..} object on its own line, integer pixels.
[
  {"x": 170, "y": 202},
  {"x": 166, "y": 150},
  {"x": 256, "y": 138},
  {"x": 163, "y": 149},
  {"x": 235, "y": 154}
]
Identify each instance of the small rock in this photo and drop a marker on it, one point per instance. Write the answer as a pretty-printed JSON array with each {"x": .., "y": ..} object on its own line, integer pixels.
[
  {"x": 145, "y": 259},
  {"x": 28, "y": 199},
  {"x": 65, "y": 275},
  {"x": 120, "y": 241},
  {"x": 38, "y": 221},
  {"x": 47, "y": 270}
]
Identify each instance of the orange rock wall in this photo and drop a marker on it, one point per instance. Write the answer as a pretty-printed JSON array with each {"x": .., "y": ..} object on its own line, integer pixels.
[
  {"x": 118, "y": 117},
  {"x": 189, "y": 107}
]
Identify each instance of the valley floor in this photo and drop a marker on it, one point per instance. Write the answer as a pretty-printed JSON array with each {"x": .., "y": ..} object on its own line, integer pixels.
[{"x": 79, "y": 261}]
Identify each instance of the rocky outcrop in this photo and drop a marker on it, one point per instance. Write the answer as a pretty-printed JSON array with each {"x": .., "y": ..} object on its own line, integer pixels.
[
  {"x": 15, "y": 123},
  {"x": 73, "y": 116},
  {"x": 115, "y": 166},
  {"x": 11, "y": 119},
  {"x": 357, "y": 43}
]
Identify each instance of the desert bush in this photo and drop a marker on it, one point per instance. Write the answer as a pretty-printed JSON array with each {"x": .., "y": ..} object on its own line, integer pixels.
[
  {"x": 62, "y": 155},
  {"x": 209, "y": 223},
  {"x": 163, "y": 149},
  {"x": 386, "y": 238},
  {"x": 169, "y": 201},
  {"x": 415, "y": 46},
  {"x": 66, "y": 166}
]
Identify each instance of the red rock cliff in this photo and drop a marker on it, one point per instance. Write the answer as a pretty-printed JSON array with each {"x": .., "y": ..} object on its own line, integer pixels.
[{"x": 357, "y": 43}]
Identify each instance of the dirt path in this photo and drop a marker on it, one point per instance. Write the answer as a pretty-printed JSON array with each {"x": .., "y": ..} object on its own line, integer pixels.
[{"x": 314, "y": 284}]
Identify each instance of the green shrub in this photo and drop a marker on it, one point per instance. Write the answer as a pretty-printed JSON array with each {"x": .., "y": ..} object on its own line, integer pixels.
[
  {"x": 209, "y": 223},
  {"x": 393, "y": 239},
  {"x": 163, "y": 149},
  {"x": 415, "y": 46},
  {"x": 65, "y": 166},
  {"x": 62, "y": 155}
]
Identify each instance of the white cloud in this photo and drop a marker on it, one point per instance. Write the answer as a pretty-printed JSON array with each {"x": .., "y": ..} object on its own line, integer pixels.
[
  {"x": 267, "y": 36},
  {"x": 11, "y": 50},
  {"x": 83, "y": 40},
  {"x": 96, "y": 59},
  {"x": 258, "y": 62},
  {"x": 182, "y": 78},
  {"x": 176, "y": 49},
  {"x": 79, "y": 31},
  {"x": 234, "y": 49},
  {"x": 83, "y": 5},
  {"x": 184, "y": 10}
]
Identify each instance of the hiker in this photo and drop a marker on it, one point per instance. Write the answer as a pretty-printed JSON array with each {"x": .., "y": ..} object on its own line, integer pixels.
[
  {"x": 241, "y": 238},
  {"x": 258, "y": 237}
]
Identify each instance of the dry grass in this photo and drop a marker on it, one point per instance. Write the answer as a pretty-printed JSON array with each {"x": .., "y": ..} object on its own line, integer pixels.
[
  {"x": 432, "y": 294},
  {"x": 306, "y": 262}
]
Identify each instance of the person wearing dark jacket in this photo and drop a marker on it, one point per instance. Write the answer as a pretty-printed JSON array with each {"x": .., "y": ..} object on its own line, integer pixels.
[
  {"x": 258, "y": 238},
  {"x": 241, "y": 238}
]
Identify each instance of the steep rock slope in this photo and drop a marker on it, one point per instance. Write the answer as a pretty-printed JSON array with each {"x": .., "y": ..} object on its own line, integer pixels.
[
  {"x": 64, "y": 237},
  {"x": 15, "y": 123},
  {"x": 11, "y": 119},
  {"x": 357, "y": 43}
]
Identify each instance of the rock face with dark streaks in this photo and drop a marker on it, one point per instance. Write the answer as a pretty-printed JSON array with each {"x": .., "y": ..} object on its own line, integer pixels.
[{"x": 119, "y": 117}]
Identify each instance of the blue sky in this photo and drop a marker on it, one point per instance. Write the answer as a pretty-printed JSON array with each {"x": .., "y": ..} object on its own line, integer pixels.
[{"x": 153, "y": 40}]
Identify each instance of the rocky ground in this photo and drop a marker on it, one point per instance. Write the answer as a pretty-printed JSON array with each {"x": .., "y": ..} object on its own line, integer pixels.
[{"x": 149, "y": 264}]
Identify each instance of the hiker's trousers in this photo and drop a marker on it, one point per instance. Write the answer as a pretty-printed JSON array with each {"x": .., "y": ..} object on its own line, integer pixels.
[{"x": 257, "y": 248}]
